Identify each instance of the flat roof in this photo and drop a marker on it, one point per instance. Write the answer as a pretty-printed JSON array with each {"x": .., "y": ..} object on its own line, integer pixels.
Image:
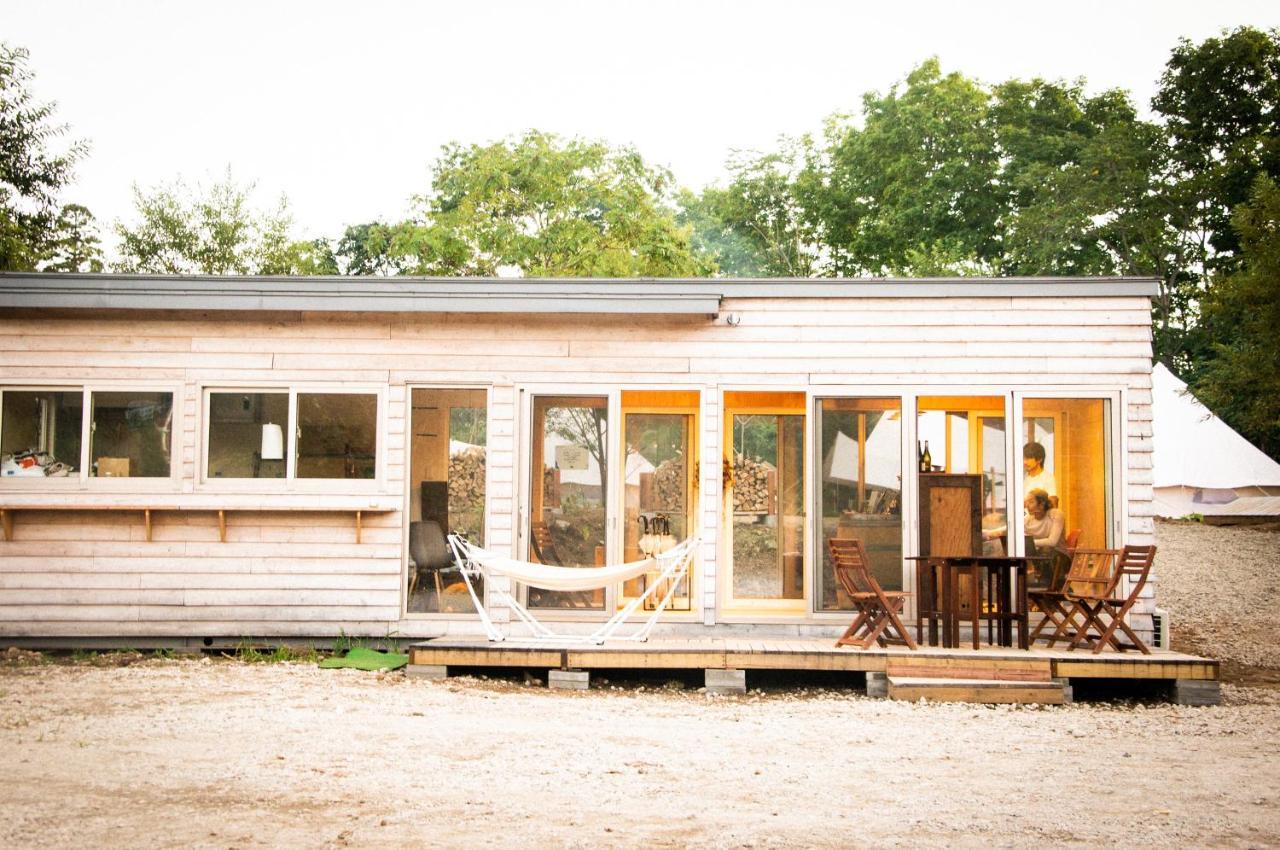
[{"x": 654, "y": 296}]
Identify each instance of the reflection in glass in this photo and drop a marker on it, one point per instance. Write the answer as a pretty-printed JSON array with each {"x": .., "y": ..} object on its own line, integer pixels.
[
  {"x": 658, "y": 480},
  {"x": 130, "y": 434},
  {"x": 241, "y": 425},
  {"x": 447, "y": 457},
  {"x": 861, "y": 488},
  {"x": 337, "y": 435},
  {"x": 568, "y": 520},
  {"x": 40, "y": 433}
]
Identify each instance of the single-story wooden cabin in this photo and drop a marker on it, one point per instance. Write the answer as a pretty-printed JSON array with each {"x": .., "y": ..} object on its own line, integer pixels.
[{"x": 204, "y": 459}]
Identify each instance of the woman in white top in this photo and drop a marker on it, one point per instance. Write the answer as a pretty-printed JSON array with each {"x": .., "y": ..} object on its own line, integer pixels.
[{"x": 1043, "y": 521}]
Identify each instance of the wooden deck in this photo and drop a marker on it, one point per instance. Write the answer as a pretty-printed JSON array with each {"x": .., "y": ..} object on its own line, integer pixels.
[{"x": 993, "y": 663}]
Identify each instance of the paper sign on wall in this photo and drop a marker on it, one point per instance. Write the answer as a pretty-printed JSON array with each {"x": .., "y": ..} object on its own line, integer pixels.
[{"x": 571, "y": 457}]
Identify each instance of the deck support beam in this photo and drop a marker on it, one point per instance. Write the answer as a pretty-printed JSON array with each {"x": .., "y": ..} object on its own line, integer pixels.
[
  {"x": 568, "y": 680},
  {"x": 725, "y": 681},
  {"x": 426, "y": 671},
  {"x": 1197, "y": 692}
]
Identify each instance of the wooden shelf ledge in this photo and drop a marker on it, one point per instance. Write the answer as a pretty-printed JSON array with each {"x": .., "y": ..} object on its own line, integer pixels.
[{"x": 8, "y": 513}]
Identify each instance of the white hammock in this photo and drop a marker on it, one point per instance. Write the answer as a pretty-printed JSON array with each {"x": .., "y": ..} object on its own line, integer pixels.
[{"x": 665, "y": 572}]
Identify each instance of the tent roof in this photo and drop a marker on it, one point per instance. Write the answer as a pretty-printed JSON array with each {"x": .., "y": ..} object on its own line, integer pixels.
[{"x": 1194, "y": 448}]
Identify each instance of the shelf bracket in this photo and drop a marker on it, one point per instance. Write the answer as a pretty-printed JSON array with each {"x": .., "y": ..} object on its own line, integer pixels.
[
  {"x": 222, "y": 526},
  {"x": 146, "y": 519},
  {"x": 6, "y": 519},
  {"x": 359, "y": 526}
]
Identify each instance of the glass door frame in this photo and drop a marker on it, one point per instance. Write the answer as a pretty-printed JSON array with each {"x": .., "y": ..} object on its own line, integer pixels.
[
  {"x": 525, "y": 478},
  {"x": 1116, "y": 478},
  {"x": 770, "y": 611}
]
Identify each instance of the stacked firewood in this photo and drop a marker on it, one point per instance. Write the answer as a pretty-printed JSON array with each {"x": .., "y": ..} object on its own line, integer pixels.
[
  {"x": 753, "y": 481},
  {"x": 466, "y": 479},
  {"x": 669, "y": 485}
]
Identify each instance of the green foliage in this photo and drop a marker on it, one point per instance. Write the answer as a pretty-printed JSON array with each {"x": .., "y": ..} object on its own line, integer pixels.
[
  {"x": 32, "y": 228},
  {"x": 1240, "y": 378},
  {"x": 73, "y": 245},
  {"x": 754, "y": 227},
  {"x": 545, "y": 206},
  {"x": 214, "y": 231}
]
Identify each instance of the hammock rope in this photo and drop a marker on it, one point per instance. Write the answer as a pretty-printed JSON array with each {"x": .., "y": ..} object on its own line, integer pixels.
[{"x": 671, "y": 568}]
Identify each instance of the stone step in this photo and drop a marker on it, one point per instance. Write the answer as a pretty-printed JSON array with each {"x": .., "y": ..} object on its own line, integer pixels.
[{"x": 911, "y": 688}]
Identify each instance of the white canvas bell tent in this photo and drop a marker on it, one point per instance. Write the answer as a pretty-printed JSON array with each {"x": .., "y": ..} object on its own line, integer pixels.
[{"x": 1202, "y": 465}]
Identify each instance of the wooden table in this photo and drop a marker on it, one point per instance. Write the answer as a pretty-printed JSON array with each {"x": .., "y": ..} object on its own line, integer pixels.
[{"x": 938, "y": 597}]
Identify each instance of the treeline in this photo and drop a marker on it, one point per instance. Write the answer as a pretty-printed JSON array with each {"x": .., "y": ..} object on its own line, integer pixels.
[{"x": 942, "y": 175}]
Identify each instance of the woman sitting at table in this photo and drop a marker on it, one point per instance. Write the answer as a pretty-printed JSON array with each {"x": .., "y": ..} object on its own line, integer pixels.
[{"x": 1043, "y": 522}]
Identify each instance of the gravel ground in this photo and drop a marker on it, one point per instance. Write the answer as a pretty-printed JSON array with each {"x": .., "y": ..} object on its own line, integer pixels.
[
  {"x": 1221, "y": 587},
  {"x": 232, "y": 755},
  {"x": 122, "y": 752}
]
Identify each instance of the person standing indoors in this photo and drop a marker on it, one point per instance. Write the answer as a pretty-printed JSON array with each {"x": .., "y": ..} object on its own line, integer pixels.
[{"x": 1036, "y": 477}]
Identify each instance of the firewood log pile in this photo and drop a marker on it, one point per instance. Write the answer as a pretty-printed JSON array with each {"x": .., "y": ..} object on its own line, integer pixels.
[
  {"x": 753, "y": 485},
  {"x": 669, "y": 485},
  {"x": 466, "y": 480}
]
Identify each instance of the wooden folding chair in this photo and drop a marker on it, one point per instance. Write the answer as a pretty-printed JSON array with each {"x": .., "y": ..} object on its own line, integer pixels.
[
  {"x": 1091, "y": 573},
  {"x": 879, "y": 611},
  {"x": 1105, "y": 612}
]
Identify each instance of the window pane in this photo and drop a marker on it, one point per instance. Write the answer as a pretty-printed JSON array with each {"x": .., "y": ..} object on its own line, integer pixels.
[
  {"x": 658, "y": 480},
  {"x": 337, "y": 435},
  {"x": 40, "y": 433},
  {"x": 768, "y": 506},
  {"x": 446, "y": 493},
  {"x": 1066, "y": 456},
  {"x": 247, "y": 435},
  {"x": 861, "y": 488},
  {"x": 131, "y": 434},
  {"x": 964, "y": 493},
  {"x": 570, "y": 491}
]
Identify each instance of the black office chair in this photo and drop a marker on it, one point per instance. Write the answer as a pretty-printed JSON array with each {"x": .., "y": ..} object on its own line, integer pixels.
[{"x": 428, "y": 553}]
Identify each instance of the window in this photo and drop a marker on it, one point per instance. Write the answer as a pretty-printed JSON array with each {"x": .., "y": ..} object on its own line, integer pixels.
[
  {"x": 247, "y": 434},
  {"x": 337, "y": 435},
  {"x": 764, "y": 499},
  {"x": 570, "y": 492},
  {"x": 1066, "y": 456},
  {"x": 130, "y": 434},
  {"x": 447, "y": 457},
  {"x": 40, "y": 433},
  {"x": 659, "y": 471},
  {"x": 861, "y": 488}
]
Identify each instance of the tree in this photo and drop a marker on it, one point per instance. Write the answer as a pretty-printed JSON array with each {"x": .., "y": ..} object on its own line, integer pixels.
[
  {"x": 1220, "y": 100},
  {"x": 73, "y": 245},
  {"x": 214, "y": 231},
  {"x": 1240, "y": 379},
  {"x": 919, "y": 173},
  {"x": 755, "y": 226},
  {"x": 31, "y": 174},
  {"x": 547, "y": 207}
]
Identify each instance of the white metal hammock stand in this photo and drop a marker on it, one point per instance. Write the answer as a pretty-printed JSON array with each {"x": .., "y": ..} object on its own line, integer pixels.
[{"x": 670, "y": 566}]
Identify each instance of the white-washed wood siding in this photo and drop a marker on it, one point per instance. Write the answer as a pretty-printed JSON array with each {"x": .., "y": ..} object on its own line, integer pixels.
[{"x": 292, "y": 573}]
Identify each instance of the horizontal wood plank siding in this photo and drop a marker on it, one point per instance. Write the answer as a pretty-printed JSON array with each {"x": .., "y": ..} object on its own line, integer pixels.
[{"x": 301, "y": 572}]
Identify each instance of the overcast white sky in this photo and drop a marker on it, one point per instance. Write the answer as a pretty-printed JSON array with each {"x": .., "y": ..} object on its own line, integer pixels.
[{"x": 344, "y": 106}]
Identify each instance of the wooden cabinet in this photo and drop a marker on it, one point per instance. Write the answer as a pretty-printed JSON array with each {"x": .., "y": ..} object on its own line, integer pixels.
[{"x": 950, "y": 514}]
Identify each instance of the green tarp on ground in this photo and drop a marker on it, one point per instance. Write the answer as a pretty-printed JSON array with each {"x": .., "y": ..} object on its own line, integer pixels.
[{"x": 367, "y": 659}]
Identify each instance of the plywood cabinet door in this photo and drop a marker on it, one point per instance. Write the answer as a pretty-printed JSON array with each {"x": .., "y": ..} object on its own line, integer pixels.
[{"x": 950, "y": 514}]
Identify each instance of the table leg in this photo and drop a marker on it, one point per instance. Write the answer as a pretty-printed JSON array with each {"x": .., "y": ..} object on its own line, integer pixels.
[
  {"x": 976, "y": 601},
  {"x": 1024, "y": 619}
]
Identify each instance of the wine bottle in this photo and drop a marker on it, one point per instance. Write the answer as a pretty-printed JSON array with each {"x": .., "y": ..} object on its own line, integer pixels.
[{"x": 926, "y": 461}]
